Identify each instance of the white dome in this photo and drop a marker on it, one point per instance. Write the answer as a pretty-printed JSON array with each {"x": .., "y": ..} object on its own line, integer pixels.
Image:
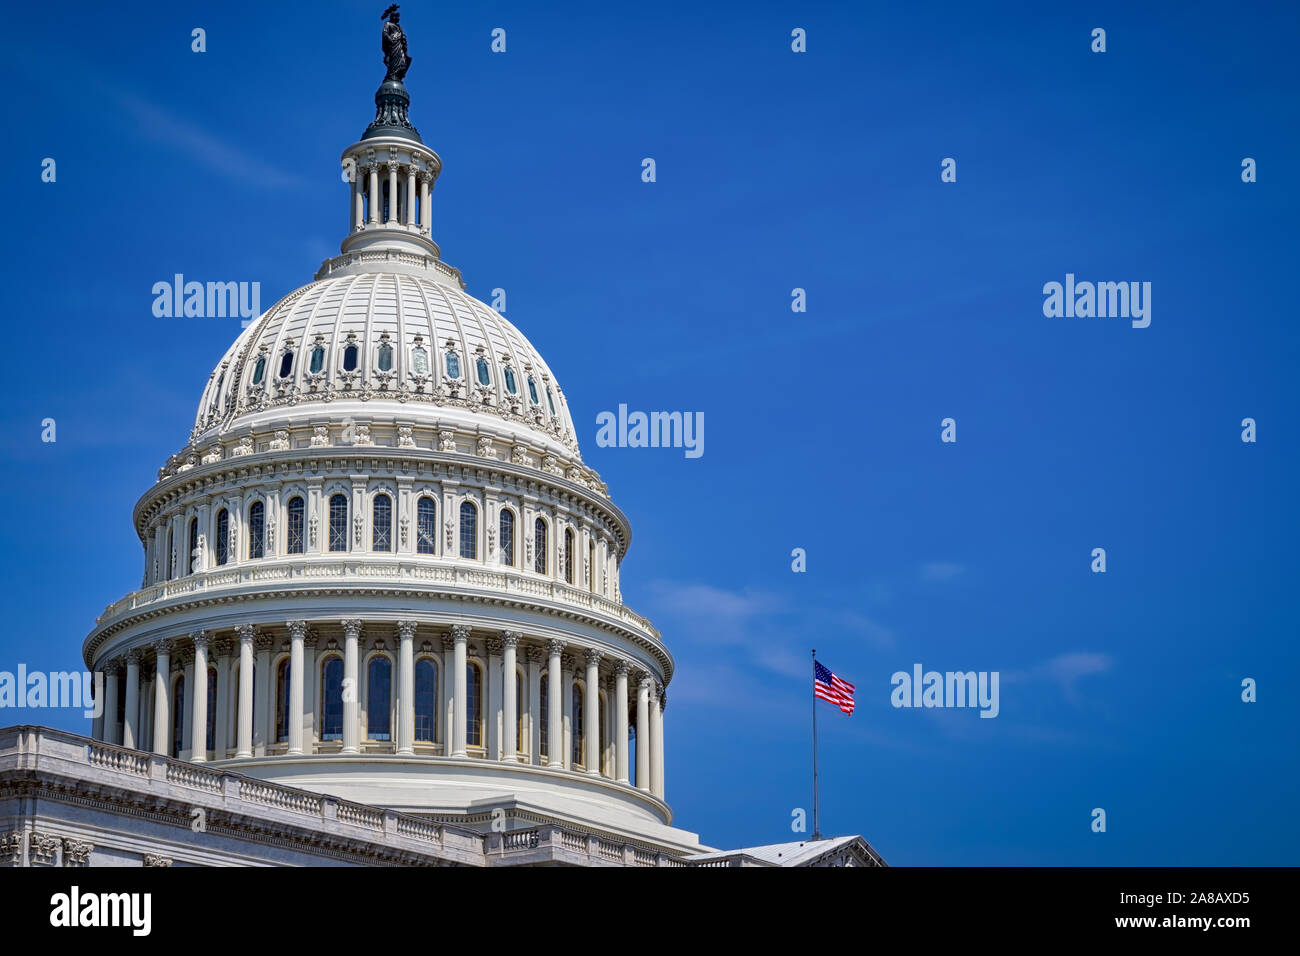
[{"x": 409, "y": 332}]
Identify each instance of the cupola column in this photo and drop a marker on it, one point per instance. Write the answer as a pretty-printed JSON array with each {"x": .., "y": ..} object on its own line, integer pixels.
[
  {"x": 199, "y": 712},
  {"x": 162, "y": 696},
  {"x": 131, "y": 713},
  {"x": 297, "y": 633},
  {"x": 656, "y": 743},
  {"x": 425, "y": 179},
  {"x": 392, "y": 193},
  {"x": 620, "y": 721},
  {"x": 554, "y": 707},
  {"x": 351, "y": 710},
  {"x": 410, "y": 195},
  {"x": 244, "y": 716},
  {"x": 460, "y": 635},
  {"x": 510, "y": 682},
  {"x": 591, "y": 711},
  {"x": 406, "y": 688},
  {"x": 358, "y": 202},
  {"x": 373, "y": 218}
]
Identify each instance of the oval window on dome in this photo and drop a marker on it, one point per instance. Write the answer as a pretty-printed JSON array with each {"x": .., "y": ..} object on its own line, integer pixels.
[
  {"x": 420, "y": 360},
  {"x": 385, "y": 358},
  {"x": 317, "y": 359},
  {"x": 532, "y": 390},
  {"x": 453, "y": 365},
  {"x": 550, "y": 402},
  {"x": 286, "y": 364},
  {"x": 511, "y": 387},
  {"x": 484, "y": 377},
  {"x": 350, "y": 358},
  {"x": 259, "y": 369}
]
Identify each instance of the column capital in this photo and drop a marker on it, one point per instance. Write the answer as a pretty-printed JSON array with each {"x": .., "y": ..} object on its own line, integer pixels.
[
  {"x": 133, "y": 657},
  {"x": 494, "y": 646},
  {"x": 223, "y": 646},
  {"x": 554, "y": 647},
  {"x": 511, "y": 638},
  {"x": 591, "y": 656},
  {"x": 535, "y": 654},
  {"x": 406, "y": 630},
  {"x": 297, "y": 630},
  {"x": 447, "y": 642},
  {"x": 657, "y": 689},
  {"x": 246, "y": 633},
  {"x": 263, "y": 641},
  {"x": 621, "y": 667},
  {"x": 663, "y": 701},
  {"x": 163, "y": 645},
  {"x": 569, "y": 662},
  {"x": 200, "y": 639},
  {"x": 352, "y": 627},
  {"x": 459, "y": 633}
]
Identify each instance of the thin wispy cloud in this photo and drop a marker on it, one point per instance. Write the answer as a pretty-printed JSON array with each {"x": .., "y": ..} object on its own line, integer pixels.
[{"x": 1064, "y": 670}]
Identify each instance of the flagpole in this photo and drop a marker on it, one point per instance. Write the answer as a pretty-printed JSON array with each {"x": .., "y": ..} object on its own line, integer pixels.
[{"x": 816, "y": 829}]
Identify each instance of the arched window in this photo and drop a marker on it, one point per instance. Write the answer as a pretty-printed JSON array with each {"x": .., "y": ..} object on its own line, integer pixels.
[
  {"x": 544, "y": 722},
  {"x": 297, "y": 541},
  {"x": 426, "y": 700},
  {"x": 511, "y": 385},
  {"x": 211, "y": 735},
  {"x": 507, "y": 532},
  {"x": 257, "y": 530},
  {"x": 426, "y": 513},
  {"x": 484, "y": 376},
  {"x": 591, "y": 565},
  {"x": 286, "y": 364},
  {"x": 282, "y": 700},
  {"x": 550, "y": 402},
  {"x": 468, "y": 530},
  {"x": 539, "y": 546},
  {"x": 379, "y": 688},
  {"x": 568, "y": 555},
  {"x": 382, "y": 519},
  {"x": 338, "y": 522},
  {"x": 473, "y": 705},
  {"x": 259, "y": 370},
  {"x": 191, "y": 545},
  {"x": 350, "y": 358},
  {"x": 605, "y": 735},
  {"x": 331, "y": 722},
  {"x": 178, "y": 716},
  {"x": 317, "y": 360},
  {"x": 631, "y": 754},
  {"x": 223, "y": 536},
  {"x": 171, "y": 554},
  {"x": 532, "y": 390},
  {"x": 453, "y": 365},
  {"x": 579, "y": 736},
  {"x": 385, "y": 357}
]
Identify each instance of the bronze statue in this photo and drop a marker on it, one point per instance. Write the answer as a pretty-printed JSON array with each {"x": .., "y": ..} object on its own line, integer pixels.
[{"x": 393, "y": 41}]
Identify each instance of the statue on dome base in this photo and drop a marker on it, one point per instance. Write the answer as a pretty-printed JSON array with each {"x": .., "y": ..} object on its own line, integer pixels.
[{"x": 393, "y": 41}]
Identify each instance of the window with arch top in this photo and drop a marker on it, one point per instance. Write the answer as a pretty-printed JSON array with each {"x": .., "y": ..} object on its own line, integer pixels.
[
  {"x": 568, "y": 555},
  {"x": 297, "y": 542},
  {"x": 579, "y": 755},
  {"x": 257, "y": 530},
  {"x": 382, "y": 520},
  {"x": 426, "y": 522},
  {"x": 426, "y": 700},
  {"x": 223, "y": 536},
  {"x": 331, "y": 724},
  {"x": 468, "y": 530},
  {"x": 379, "y": 692},
  {"x": 338, "y": 522},
  {"x": 507, "y": 533},
  {"x": 473, "y": 704},
  {"x": 539, "y": 546}
]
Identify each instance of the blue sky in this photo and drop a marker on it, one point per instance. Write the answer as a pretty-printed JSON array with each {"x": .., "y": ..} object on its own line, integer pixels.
[{"x": 775, "y": 170}]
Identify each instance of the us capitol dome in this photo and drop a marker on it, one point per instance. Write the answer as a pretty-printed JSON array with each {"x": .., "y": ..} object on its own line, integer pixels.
[{"x": 380, "y": 571}]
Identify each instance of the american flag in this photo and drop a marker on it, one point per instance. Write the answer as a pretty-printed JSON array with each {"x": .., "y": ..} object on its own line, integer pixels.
[{"x": 829, "y": 687}]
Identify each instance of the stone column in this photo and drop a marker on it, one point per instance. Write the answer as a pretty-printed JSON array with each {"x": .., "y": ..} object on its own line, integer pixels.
[
  {"x": 186, "y": 655},
  {"x": 199, "y": 712},
  {"x": 112, "y": 730},
  {"x": 244, "y": 714},
  {"x": 643, "y": 732},
  {"x": 392, "y": 194},
  {"x": 460, "y": 637},
  {"x": 567, "y": 667},
  {"x": 447, "y": 723},
  {"x": 162, "y": 721},
  {"x": 358, "y": 206},
  {"x": 309, "y": 691},
  {"x": 425, "y": 220},
  {"x": 535, "y": 657},
  {"x": 131, "y": 714},
  {"x": 620, "y": 721},
  {"x": 406, "y": 687},
  {"x": 375, "y": 199},
  {"x": 297, "y": 634},
  {"x": 554, "y": 707},
  {"x": 591, "y": 710},
  {"x": 351, "y": 689},
  {"x": 510, "y": 684},
  {"x": 145, "y": 707},
  {"x": 493, "y": 681},
  {"x": 410, "y": 195},
  {"x": 657, "y": 742},
  {"x": 659, "y": 737}
]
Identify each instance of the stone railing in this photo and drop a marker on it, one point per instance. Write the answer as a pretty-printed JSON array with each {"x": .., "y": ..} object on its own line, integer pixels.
[
  {"x": 400, "y": 570},
  {"x": 553, "y": 843}
]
